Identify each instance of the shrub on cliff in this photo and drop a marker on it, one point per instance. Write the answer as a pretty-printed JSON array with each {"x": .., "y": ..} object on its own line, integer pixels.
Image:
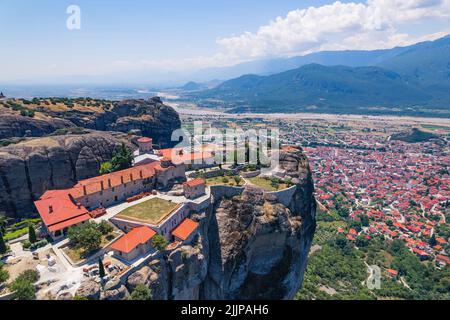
[
  {"x": 141, "y": 292},
  {"x": 23, "y": 286},
  {"x": 4, "y": 274},
  {"x": 3, "y": 247},
  {"x": 122, "y": 159},
  {"x": 159, "y": 242}
]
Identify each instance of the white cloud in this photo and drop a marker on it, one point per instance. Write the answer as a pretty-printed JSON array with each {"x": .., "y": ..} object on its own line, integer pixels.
[
  {"x": 375, "y": 24},
  {"x": 371, "y": 25}
]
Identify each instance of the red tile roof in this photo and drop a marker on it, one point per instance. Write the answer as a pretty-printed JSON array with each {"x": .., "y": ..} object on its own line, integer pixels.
[
  {"x": 185, "y": 229},
  {"x": 195, "y": 182},
  {"x": 392, "y": 272},
  {"x": 62, "y": 203},
  {"x": 145, "y": 140},
  {"x": 419, "y": 252},
  {"x": 57, "y": 207},
  {"x": 68, "y": 223},
  {"x": 94, "y": 185},
  {"x": 132, "y": 239},
  {"x": 442, "y": 258},
  {"x": 177, "y": 155}
]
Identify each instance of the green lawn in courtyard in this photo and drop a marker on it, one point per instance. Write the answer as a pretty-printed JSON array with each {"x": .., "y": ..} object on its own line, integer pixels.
[
  {"x": 266, "y": 184},
  {"x": 151, "y": 211}
]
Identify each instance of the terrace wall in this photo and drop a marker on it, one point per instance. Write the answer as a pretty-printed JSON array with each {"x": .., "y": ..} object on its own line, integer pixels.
[
  {"x": 283, "y": 196},
  {"x": 219, "y": 192},
  {"x": 251, "y": 174}
]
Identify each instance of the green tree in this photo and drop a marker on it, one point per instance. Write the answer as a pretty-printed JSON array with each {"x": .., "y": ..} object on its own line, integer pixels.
[
  {"x": 101, "y": 268},
  {"x": 237, "y": 179},
  {"x": 141, "y": 292},
  {"x": 3, "y": 247},
  {"x": 86, "y": 236},
  {"x": 23, "y": 286},
  {"x": 31, "y": 234},
  {"x": 122, "y": 159},
  {"x": 23, "y": 290},
  {"x": 105, "y": 167},
  {"x": 105, "y": 227},
  {"x": 344, "y": 212},
  {"x": 362, "y": 242},
  {"x": 4, "y": 274},
  {"x": 3, "y": 222},
  {"x": 364, "y": 220},
  {"x": 432, "y": 242},
  {"x": 159, "y": 242}
]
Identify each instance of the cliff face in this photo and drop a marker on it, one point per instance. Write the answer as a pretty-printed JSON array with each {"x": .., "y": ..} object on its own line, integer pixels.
[
  {"x": 14, "y": 125},
  {"x": 145, "y": 117},
  {"x": 30, "y": 168},
  {"x": 249, "y": 246}
]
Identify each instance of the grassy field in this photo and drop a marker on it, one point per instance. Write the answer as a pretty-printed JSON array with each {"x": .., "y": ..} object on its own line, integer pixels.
[
  {"x": 434, "y": 127},
  {"x": 151, "y": 211},
  {"x": 266, "y": 184}
]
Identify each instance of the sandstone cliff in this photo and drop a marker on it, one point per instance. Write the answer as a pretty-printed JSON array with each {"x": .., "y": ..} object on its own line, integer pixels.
[
  {"x": 29, "y": 168},
  {"x": 145, "y": 117},
  {"x": 250, "y": 246}
]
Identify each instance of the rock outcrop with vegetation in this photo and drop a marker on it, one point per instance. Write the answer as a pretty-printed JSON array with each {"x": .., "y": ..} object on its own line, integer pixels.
[
  {"x": 414, "y": 136},
  {"x": 44, "y": 116},
  {"x": 29, "y": 168},
  {"x": 249, "y": 246}
]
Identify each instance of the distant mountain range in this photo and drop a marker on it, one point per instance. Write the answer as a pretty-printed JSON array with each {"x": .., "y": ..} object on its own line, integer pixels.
[{"x": 412, "y": 80}]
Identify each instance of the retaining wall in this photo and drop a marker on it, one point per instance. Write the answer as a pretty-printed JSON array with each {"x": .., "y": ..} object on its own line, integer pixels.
[{"x": 284, "y": 196}]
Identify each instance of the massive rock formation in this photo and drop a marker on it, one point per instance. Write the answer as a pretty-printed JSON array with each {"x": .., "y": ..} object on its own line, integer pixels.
[
  {"x": 250, "y": 246},
  {"x": 29, "y": 168},
  {"x": 14, "y": 125},
  {"x": 414, "y": 136},
  {"x": 146, "y": 117}
]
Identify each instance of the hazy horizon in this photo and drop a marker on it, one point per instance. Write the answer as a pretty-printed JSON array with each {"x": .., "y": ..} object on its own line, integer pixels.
[{"x": 164, "y": 44}]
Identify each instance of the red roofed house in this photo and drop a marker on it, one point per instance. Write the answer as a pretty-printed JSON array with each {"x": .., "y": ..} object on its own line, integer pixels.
[
  {"x": 194, "y": 188},
  {"x": 145, "y": 145},
  {"x": 393, "y": 273},
  {"x": 350, "y": 237},
  {"x": 59, "y": 211},
  {"x": 442, "y": 260},
  {"x": 421, "y": 254},
  {"x": 185, "y": 231},
  {"x": 133, "y": 244},
  {"x": 193, "y": 160}
]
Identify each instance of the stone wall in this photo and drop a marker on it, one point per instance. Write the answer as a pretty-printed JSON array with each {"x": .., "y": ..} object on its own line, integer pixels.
[
  {"x": 251, "y": 174},
  {"x": 219, "y": 192},
  {"x": 284, "y": 196}
]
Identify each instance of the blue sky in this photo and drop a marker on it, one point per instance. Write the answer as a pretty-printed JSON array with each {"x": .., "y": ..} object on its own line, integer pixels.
[{"x": 136, "y": 35}]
